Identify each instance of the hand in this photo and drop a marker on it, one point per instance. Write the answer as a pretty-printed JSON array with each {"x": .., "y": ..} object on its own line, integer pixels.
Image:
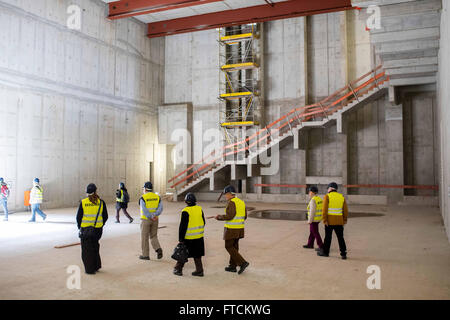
[
  {"x": 154, "y": 218},
  {"x": 217, "y": 217}
]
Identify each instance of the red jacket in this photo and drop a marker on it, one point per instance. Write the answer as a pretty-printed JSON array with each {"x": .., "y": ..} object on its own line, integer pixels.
[{"x": 4, "y": 191}]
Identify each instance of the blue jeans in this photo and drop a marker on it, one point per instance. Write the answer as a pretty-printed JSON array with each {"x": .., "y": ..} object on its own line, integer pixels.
[
  {"x": 4, "y": 203},
  {"x": 36, "y": 207}
]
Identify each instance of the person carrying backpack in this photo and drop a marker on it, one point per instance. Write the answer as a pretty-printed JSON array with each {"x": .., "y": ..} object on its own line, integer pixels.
[{"x": 122, "y": 199}]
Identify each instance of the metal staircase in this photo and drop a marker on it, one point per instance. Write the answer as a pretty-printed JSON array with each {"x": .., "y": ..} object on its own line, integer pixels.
[{"x": 247, "y": 151}]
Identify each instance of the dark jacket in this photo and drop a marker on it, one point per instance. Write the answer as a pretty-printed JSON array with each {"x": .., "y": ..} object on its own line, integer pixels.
[
  {"x": 196, "y": 247},
  {"x": 80, "y": 214},
  {"x": 230, "y": 213}
]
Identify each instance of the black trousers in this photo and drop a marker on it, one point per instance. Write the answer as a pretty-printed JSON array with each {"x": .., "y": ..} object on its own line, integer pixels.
[
  {"x": 339, "y": 230},
  {"x": 90, "y": 253},
  {"x": 198, "y": 265}
]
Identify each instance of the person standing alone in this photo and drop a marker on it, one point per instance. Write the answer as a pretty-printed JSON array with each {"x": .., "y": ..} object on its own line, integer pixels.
[
  {"x": 4, "y": 195},
  {"x": 36, "y": 198},
  {"x": 151, "y": 207},
  {"x": 122, "y": 199},
  {"x": 334, "y": 215},
  {"x": 314, "y": 218},
  {"x": 91, "y": 217}
]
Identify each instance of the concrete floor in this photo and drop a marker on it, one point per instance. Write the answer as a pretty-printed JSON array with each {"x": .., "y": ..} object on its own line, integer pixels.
[{"x": 407, "y": 243}]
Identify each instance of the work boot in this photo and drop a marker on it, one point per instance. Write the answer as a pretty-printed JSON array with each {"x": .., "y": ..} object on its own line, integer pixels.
[
  {"x": 117, "y": 221},
  {"x": 144, "y": 258},
  {"x": 160, "y": 253},
  {"x": 344, "y": 257},
  {"x": 197, "y": 273},
  {"x": 31, "y": 220},
  {"x": 131, "y": 220},
  {"x": 45, "y": 217},
  {"x": 322, "y": 253},
  {"x": 243, "y": 267},
  {"x": 177, "y": 272},
  {"x": 317, "y": 249},
  {"x": 307, "y": 247},
  {"x": 231, "y": 269}
]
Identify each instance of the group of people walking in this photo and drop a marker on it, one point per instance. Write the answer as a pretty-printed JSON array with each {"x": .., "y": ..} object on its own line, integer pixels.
[
  {"x": 92, "y": 215},
  {"x": 36, "y": 198},
  {"x": 333, "y": 211}
]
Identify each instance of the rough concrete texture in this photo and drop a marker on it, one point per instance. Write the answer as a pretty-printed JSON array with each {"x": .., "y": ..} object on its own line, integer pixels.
[
  {"x": 407, "y": 243},
  {"x": 443, "y": 114},
  {"x": 77, "y": 106}
]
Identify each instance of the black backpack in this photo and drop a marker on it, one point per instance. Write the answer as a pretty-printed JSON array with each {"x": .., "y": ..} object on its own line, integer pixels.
[{"x": 126, "y": 196}]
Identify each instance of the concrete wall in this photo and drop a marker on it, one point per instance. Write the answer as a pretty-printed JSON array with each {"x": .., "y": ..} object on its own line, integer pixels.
[
  {"x": 76, "y": 106},
  {"x": 443, "y": 112},
  {"x": 192, "y": 76}
]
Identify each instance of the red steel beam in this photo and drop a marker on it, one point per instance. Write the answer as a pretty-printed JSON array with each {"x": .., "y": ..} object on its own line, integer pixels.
[
  {"x": 130, "y": 8},
  {"x": 261, "y": 13}
]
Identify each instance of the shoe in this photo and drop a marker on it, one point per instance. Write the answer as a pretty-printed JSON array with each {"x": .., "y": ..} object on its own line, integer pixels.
[
  {"x": 177, "y": 272},
  {"x": 344, "y": 257},
  {"x": 160, "y": 253},
  {"x": 131, "y": 220},
  {"x": 307, "y": 247},
  {"x": 321, "y": 253},
  {"x": 317, "y": 249},
  {"x": 31, "y": 220},
  {"x": 243, "y": 267},
  {"x": 45, "y": 217},
  {"x": 230, "y": 269},
  {"x": 90, "y": 272},
  {"x": 117, "y": 221},
  {"x": 197, "y": 273},
  {"x": 144, "y": 258}
]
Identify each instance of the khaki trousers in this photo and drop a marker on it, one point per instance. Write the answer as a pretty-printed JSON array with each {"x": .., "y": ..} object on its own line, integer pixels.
[{"x": 149, "y": 229}]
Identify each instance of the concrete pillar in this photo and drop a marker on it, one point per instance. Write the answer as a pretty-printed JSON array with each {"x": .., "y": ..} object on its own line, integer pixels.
[
  {"x": 394, "y": 150},
  {"x": 303, "y": 147},
  {"x": 343, "y": 140}
]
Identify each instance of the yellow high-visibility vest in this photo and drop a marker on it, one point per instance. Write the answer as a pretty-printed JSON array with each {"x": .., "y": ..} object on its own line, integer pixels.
[
  {"x": 36, "y": 195},
  {"x": 121, "y": 197},
  {"x": 151, "y": 203},
  {"x": 238, "y": 221},
  {"x": 196, "y": 226},
  {"x": 335, "y": 204},
  {"x": 319, "y": 205},
  {"x": 90, "y": 213}
]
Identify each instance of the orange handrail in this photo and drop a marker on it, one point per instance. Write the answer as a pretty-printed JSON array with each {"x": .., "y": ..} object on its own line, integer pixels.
[{"x": 301, "y": 114}]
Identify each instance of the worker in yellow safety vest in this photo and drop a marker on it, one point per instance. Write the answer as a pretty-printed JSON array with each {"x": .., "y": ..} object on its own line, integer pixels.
[
  {"x": 334, "y": 216},
  {"x": 91, "y": 217},
  {"x": 36, "y": 199},
  {"x": 314, "y": 217},
  {"x": 234, "y": 217},
  {"x": 191, "y": 234},
  {"x": 151, "y": 207}
]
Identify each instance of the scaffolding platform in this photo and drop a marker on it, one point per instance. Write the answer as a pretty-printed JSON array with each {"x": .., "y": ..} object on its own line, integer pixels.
[
  {"x": 236, "y": 95},
  {"x": 239, "y": 66},
  {"x": 239, "y": 124},
  {"x": 236, "y": 38}
]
